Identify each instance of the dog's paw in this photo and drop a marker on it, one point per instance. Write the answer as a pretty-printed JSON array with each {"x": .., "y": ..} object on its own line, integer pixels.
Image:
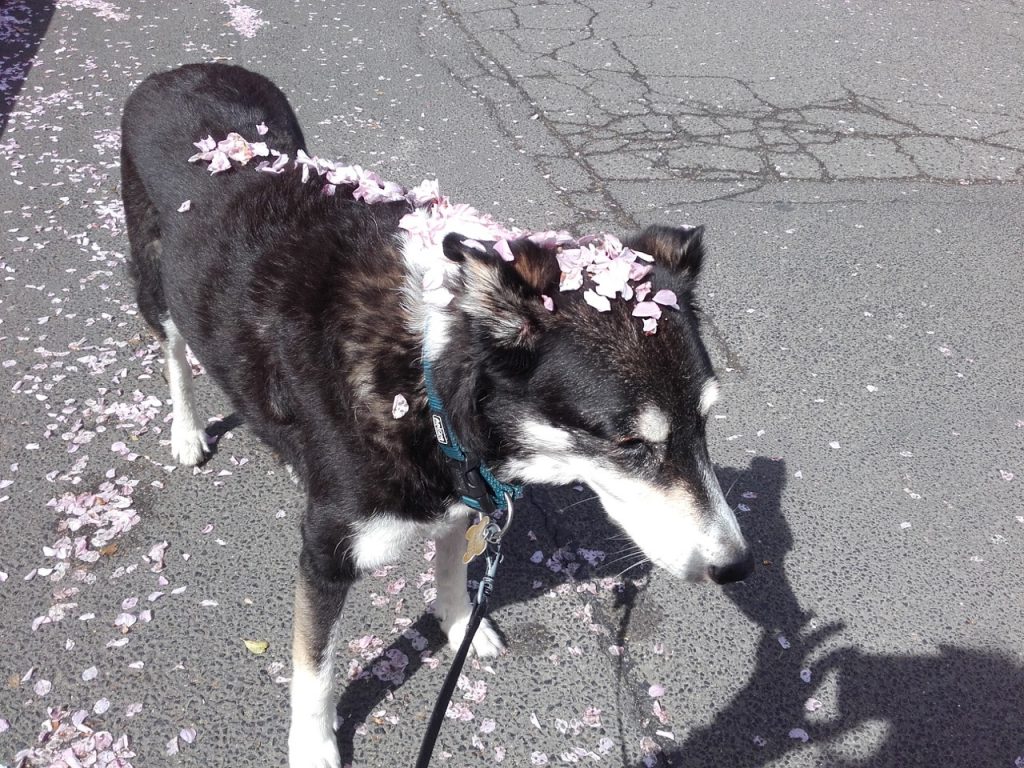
[
  {"x": 308, "y": 748},
  {"x": 188, "y": 445},
  {"x": 486, "y": 642}
]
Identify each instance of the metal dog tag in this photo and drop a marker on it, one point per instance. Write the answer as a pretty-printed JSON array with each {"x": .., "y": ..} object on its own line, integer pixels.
[{"x": 476, "y": 540}]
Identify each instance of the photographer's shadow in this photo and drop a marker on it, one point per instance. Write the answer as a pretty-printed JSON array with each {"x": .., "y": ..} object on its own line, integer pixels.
[{"x": 23, "y": 31}]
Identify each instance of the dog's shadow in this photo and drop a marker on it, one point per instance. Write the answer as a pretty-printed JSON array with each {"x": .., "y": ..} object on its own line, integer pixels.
[
  {"x": 568, "y": 526},
  {"x": 948, "y": 706},
  {"x": 216, "y": 429}
]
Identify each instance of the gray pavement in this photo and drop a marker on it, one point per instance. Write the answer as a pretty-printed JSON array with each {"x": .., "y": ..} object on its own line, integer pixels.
[{"x": 859, "y": 167}]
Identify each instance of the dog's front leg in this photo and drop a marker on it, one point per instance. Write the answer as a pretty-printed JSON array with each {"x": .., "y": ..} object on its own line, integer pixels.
[
  {"x": 453, "y": 606},
  {"x": 320, "y": 594},
  {"x": 188, "y": 437}
]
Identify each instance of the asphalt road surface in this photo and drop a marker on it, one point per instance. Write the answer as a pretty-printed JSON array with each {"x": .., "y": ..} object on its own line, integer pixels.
[{"x": 859, "y": 168}]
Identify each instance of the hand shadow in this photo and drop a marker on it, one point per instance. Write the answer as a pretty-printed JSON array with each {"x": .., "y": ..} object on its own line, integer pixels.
[{"x": 959, "y": 707}]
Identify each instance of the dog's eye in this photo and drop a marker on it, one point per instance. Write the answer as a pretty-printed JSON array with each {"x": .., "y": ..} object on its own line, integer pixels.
[{"x": 631, "y": 444}]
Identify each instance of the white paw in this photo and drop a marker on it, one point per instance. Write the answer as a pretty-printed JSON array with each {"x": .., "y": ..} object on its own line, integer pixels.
[
  {"x": 486, "y": 642},
  {"x": 308, "y": 747},
  {"x": 188, "y": 445}
]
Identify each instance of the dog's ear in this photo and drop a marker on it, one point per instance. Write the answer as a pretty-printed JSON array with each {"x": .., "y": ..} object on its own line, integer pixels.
[
  {"x": 678, "y": 248},
  {"x": 535, "y": 266},
  {"x": 506, "y": 296}
]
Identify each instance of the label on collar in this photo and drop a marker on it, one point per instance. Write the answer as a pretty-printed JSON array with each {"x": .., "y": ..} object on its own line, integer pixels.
[{"x": 439, "y": 431}]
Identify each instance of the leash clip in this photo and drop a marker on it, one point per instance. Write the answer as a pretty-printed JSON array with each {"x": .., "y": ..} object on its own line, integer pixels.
[
  {"x": 493, "y": 532},
  {"x": 493, "y": 558}
]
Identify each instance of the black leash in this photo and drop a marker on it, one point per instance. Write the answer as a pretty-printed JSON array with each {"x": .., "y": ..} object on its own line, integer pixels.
[
  {"x": 491, "y": 533},
  {"x": 482, "y": 491}
]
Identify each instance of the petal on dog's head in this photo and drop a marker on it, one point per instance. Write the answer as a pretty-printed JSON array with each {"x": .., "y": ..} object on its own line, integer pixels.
[
  {"x": 598, "y": 302},
  {"x": 647, "y": 309},
  {"x": 501, "y": 248},
  {"x": 219, "y": 162},
  {"x": 666, "y": 298}
]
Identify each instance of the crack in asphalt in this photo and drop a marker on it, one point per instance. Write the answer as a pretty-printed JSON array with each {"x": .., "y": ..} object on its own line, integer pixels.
[
  {"x": 488, "y": 66},
  {"x": 617, "y": 123}
]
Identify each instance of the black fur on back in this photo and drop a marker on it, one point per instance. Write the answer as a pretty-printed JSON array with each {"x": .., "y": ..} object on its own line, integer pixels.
[{"x": 290, "y": 298}]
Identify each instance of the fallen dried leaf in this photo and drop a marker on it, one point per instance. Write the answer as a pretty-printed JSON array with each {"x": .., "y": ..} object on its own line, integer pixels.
[{"x": 256, "y": 647}]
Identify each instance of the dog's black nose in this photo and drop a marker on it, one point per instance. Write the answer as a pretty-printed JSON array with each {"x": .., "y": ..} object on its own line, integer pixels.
[{"x": 737, "y": 571}]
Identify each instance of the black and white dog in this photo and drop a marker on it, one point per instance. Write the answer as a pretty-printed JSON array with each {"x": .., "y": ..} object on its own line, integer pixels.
[{"x": 309, "y": 309}]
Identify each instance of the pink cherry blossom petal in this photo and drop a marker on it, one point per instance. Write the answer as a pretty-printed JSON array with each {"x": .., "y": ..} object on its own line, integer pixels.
[
  {"x": 647, "y": 309},
  {"x": 156, "y": 556},
  {"x": 571, "y": 281},
  {"x": 425, "y": 193},
  {"x": 613, "y": 279},
  {"x": 638, "y": 271},
  {"x": 185, "y": 206},
  {"x": 598, "y": 302},
  {"x": 666, "y": 298},
  {"x": 399, "y": 407},
  {"x": 219, "y": 162},
  {"x": 261, "y": 129},
  {"x": 502, "y": 249}
]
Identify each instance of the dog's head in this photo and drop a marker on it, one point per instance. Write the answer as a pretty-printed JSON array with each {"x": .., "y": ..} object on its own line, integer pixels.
[{"x": 570, "y": 393}]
